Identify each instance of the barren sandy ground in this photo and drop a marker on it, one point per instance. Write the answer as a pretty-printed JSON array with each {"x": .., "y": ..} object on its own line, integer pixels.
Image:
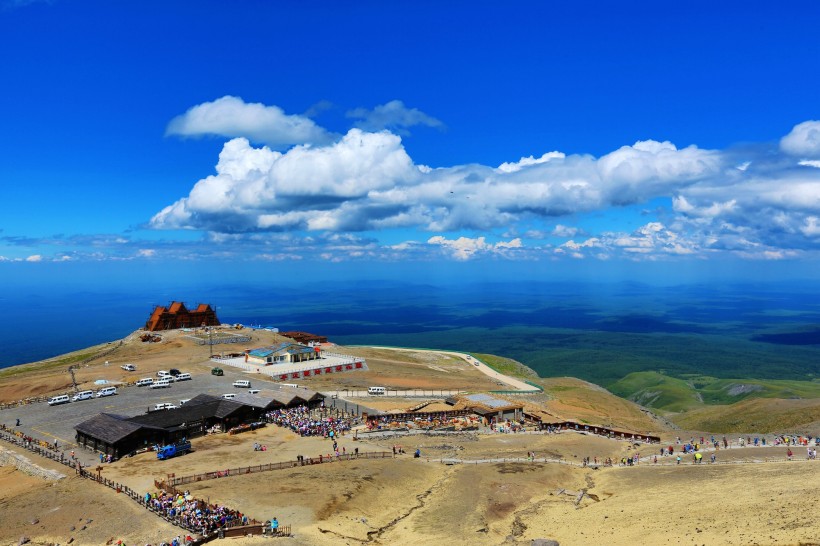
[{"x": 421, "y": 501}]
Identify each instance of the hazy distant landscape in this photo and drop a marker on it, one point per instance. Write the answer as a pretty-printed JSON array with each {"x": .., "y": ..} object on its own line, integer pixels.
[{"x": 665, "y": 347}]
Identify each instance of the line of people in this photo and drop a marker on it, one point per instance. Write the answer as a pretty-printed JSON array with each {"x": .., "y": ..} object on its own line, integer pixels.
[{"x": 193, "y": 514}]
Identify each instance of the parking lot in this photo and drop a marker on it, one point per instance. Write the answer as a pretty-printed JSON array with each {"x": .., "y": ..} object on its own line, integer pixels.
[{"x": 48, "y": 423}]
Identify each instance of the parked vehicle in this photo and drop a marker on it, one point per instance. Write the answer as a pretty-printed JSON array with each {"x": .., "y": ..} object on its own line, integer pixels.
[
  {"x": 253, "y": 391},
  {"x": 107, "y": 391},
  {"x": 83, "y": 395},
  {"x": 161, "y": 384},
  {"x": 242, "y": 383},
  {"x": 145, "y": 382},
  {"x": 183, "y": 377},
  {"x": 217, "y": 371},
  {"x": 129, "y": 367},
  {"x": 164, "y": 406},
  {"x": 59, "y": 399},
  {"x": 163, "y": 373},
  {"x": 172, "y": 450},
  {"x": 174, "y": 372},
  {"x": 229, "y": 396},
  {"x": 184, "y": 401}
]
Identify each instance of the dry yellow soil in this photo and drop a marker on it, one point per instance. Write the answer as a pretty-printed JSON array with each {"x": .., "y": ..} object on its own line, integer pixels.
[{"x": 422, "y": 501}]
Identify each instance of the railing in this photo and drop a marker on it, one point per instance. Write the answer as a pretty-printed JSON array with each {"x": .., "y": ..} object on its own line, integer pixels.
[
  {"x": 36, "y": 446},
  {"x": 182, "y": 480}
]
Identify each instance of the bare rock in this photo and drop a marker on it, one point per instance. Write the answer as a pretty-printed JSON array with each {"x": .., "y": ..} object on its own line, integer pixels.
[
  {"x": 23, "y": 540},
  {"x": 544, "y": 542}
]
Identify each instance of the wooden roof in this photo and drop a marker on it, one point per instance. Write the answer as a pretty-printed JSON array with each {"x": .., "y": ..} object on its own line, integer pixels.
[
  {"x": 109, "y": 428},
  {"x": 218, "y": 408}
]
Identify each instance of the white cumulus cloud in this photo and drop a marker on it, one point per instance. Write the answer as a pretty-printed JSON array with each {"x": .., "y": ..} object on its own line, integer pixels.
[
  {"x": 232, "y": 117},
  {"x": 803, "y": 140},
  {"x": 465, "y": 248},
  {"x": 530, "y": 160},
  {"x": 751, "y": 201}
]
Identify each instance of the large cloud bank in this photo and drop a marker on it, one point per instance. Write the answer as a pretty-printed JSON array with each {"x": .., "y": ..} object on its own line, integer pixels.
[{"x": 765, "y": 204}]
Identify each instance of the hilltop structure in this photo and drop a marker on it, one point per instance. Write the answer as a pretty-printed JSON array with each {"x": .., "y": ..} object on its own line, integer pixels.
[
  {"x": 177, "y": 315},
  {"x": 283, "y": 353}
]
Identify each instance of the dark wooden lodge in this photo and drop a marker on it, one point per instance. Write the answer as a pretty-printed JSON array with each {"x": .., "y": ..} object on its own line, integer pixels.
[{"x": 117, "y": 435}]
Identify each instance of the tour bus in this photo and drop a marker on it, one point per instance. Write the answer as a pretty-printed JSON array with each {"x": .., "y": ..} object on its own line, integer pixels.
[
  {"x": 376, "y": 391},
  {"x": 83, "y": 395},
  {"x": 107, "y": 391},
  {"x": 242, "y": 383},
  {"x": 60, "y": 399},
  {"x": 183, "y": 377},
  {"x": 145, "y": 382}
]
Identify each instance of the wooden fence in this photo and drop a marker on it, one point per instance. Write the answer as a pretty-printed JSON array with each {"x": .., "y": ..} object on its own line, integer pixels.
[
  {"x": 182, "y": 480},
  {"x": 34, "y": 446}
]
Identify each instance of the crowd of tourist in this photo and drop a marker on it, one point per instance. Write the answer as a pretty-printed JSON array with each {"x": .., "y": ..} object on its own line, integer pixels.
[
  {"x": 305, "y": 422},
  {"x": 193, "y": 514}
]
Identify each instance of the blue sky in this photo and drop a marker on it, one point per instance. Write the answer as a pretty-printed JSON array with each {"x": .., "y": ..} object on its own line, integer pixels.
[{"x": 145, "y": 139}]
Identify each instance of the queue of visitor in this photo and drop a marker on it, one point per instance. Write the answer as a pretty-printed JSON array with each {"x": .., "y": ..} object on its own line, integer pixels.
[{"x": 193, "y": 514}]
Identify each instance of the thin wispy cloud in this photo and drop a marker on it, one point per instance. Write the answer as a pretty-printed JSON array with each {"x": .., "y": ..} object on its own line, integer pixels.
[{"x": 393, "y": 116}]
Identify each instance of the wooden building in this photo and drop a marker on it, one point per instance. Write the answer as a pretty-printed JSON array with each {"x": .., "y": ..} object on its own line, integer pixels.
[
  {"x": 117, "y": 435},
  {"x": 176, "y": 315},
  {"x": 283, "y": 353},
  {"x": 304, "y": 337}
]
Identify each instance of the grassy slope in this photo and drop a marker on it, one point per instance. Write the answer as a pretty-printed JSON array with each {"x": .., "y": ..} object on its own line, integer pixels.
[
  {"x": 755, "y": 415},
  {"x": 507, "y": 366},
  {"x": 725, "y": 405},
  {"x": 656, "y": 390}
]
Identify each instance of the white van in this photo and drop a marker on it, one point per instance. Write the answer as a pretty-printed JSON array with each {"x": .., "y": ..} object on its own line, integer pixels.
[
  {"x": 164, "y": 406},
  {"x": 83, "y": 395},
  {"x": 145, "y": 382},
  {"x": 253, "y": 391},
  {"x": 184, "y": 401},
  {"x": 377, "y": 391},
  {"x": 161, "y": 383},
  {"x": 129, "y": 367},
  {"x": 229, "y": 396},
  {"x": 163, "y": 373},
  {"x": 183, "y": 377},
  {"x": 107, "y": 391},
  {"x": 242, "y": 383},
  {"x": 59, "y": 399}
]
